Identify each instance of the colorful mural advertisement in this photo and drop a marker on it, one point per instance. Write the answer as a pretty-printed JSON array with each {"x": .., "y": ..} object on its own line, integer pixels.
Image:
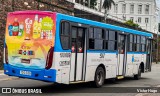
[{"x": 29, "y": 37}]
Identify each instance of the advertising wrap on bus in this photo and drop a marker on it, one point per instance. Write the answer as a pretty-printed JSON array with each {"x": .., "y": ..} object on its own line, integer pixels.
[{"x": 29, "y": 39}]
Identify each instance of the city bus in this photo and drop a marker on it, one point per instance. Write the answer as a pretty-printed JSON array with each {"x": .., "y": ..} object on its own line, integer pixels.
[{"x": 59, "y": 48}]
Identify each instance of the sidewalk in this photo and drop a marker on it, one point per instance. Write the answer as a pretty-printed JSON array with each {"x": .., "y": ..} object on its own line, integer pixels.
[{"x": 1, "y": 71}]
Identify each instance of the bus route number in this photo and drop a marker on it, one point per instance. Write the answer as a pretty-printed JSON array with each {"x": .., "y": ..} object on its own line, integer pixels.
[{"x": 102, "y": 55}]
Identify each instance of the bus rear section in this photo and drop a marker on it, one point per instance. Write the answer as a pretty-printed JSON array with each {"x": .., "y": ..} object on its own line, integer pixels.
[{"x": 29, "y": 45}]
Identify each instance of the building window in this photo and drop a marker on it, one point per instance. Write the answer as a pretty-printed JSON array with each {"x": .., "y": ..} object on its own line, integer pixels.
[
  {"x": 139, "y": 9},
  {"x": 139, "y": 19},
  {"x": 116, "y": 8},
  {"x": 123, "y": 8},
  {"x": 79, "y": 1},
  {"x": 124, "y": 17},
  {"x": 147, "y": 9},
  {"x": 131, "y": 8},
  {"x": 146, "y": 20},
  {"x": 132, "y": 18}
]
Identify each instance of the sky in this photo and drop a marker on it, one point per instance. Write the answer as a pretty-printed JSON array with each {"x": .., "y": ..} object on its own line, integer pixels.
[{"x": 158, "y": 3}]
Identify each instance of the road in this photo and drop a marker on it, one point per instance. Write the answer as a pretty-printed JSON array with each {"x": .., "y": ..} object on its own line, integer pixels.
[{"x": 150, "y": 79}]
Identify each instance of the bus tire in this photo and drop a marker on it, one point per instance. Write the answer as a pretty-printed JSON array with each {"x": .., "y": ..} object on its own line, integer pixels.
[
  {"x": 138, "y": 76},
  {"x": 99, "y": 77}
]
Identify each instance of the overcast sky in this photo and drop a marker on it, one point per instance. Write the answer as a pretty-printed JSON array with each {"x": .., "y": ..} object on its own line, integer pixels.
[{"x": 158, "y": 3}]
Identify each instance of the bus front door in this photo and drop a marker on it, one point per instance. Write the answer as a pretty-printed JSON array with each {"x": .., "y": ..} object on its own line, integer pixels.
[
  {"x": 77, "y": 57},
  {"x": 121, "y": 54}
]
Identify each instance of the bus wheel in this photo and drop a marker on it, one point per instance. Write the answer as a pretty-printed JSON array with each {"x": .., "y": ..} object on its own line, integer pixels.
[
  {"x": 138, "y": 76},
  {"x": 99, "y": 77}
]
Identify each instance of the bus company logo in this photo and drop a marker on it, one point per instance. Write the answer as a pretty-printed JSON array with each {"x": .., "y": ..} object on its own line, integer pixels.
[{"x": 6, "y": 90}]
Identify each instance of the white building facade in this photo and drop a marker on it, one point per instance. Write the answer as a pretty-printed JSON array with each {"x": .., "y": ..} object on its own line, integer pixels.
[{"x": 142, "y": 12}]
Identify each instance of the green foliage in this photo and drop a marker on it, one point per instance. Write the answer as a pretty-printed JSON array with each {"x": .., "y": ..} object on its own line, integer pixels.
[
  {"x": 93, "y": 4},
  {"x": 131, "y": 23},
  {"x": 107, "y": 4}
]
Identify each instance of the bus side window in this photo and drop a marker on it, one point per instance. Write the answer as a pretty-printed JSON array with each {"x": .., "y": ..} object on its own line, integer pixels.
[
  {"x": 138, "y": 43},
  {"x": 106, "y": 40},
  {"x": 143, "y": 44},
  {"x": 112, "y": 40},
  {"x": 135, "y": 43},
  {"x": 65, "y": 35},
  {"x": 131, "y": 43},
  {"x": 98, "y": 38},
  {"x": 91, "y": 38}
]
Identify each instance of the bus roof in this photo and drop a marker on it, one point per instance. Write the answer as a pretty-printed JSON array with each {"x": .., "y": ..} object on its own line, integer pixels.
[{"x": 104, "y": 25}]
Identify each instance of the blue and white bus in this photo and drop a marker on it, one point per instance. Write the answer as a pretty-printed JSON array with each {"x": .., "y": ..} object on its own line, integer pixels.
[{"x": 54, "y": 47}]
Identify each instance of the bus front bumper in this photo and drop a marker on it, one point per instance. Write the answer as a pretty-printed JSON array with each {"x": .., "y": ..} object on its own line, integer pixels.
[{"x": 38, "y": 74}]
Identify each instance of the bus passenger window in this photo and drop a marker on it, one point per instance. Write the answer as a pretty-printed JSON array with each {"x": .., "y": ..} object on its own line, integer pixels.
[
  {"x": 131, "y": 43},
  {"x": 143, "y": 44},
  {"x": 65, "y": 35},
  {"x": 112, "y": 43},
  {"x": 98, "y": 38},
  {"x": 106, "y": 40},
  {"x": 135, "y": 43},
  {"x": 138, "y": 43},
  {"x": 91, "y": 39},
  {"x": 98, "y": 44}
]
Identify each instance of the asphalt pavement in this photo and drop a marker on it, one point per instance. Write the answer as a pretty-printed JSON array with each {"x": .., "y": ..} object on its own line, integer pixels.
[{"x": 123, "y": 87}]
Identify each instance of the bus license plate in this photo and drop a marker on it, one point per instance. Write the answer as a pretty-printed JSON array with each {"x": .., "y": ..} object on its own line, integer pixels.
[
  {"x": 22, "y": 72},
  {"x": 27, "y": 61}
]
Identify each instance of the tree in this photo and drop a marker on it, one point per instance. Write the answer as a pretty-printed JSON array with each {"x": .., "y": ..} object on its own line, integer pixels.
[
  {"x": 107, "y": 4},
  {"x": 131, "y": 23},
  {"x": 93, "y": 4}
]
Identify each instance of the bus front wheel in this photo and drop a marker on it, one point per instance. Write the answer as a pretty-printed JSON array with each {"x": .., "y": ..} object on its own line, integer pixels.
[
  {"x": 138, "y": 76},
  {"x": 99, "y": 77}
]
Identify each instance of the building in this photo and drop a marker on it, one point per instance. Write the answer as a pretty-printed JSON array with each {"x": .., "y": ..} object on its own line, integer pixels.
[{"x": 142, "y": 12}]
